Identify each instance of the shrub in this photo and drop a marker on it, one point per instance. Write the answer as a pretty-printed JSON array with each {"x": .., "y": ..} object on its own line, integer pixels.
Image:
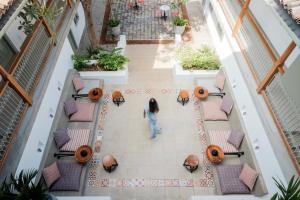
[
  {"x": 79, "y": 61},
  {"x": 113, "y": 22},
  {"x": 179, "y": 21},
  {"x": 111, "y": 60},
  {"x": 203, "y": 58}
]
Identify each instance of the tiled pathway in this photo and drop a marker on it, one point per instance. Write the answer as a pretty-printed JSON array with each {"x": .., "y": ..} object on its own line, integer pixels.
[
  {"x": 150, "y": 169},
  {"x": 142, "y": 24}
]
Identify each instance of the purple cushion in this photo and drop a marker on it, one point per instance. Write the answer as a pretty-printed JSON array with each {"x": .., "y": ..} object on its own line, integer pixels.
[
  {"x": 229, "y": 180},
  {"x": 236, "y": 138},
  {"x": 70, "y": 177},
  {"x": 70, "y": 107},
  {"x": 227, "y": 104},
  {"x": 61, "y": 137}
]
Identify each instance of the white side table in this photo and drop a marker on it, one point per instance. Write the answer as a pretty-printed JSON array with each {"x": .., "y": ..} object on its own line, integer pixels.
[{"x": 164, "y": 8}]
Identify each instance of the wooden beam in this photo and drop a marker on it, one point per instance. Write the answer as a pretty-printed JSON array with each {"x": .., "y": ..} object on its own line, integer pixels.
[
  {"x": 275, "y": 68},
  {"x": 47, "y": 26},
  {"x": 240, "y": 17},
  {"x": 70, "y": 3},
  {"x": 15, "y": 85}
]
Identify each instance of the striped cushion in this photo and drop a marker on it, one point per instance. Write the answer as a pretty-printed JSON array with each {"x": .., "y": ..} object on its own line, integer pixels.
[
  {"x": 229, "y": 180},
  {"x": 220, "y": 138},
  {"x": 78, "y": 137}
]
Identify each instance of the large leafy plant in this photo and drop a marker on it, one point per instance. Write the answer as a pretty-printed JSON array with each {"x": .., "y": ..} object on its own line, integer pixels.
[
  {"x": 204, "y": 58},
  {"x": 33, "y": 11},
  {"x": 23, "y": 187},
  {"x": 79, "y": 61},
  {"x": 111, "y": 60},
  {"x": 291, "y": 192}
]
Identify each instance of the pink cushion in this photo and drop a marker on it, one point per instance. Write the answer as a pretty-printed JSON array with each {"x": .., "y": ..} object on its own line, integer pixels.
[
  {"x": 85, "y": 112},
  {"x": 220, "y": 138},
  {"x": 220, "y": 81},
  {"x": 78, "y": 84},
  {"x": 78, "y": 137},
  {"x": 248, "y": 176},
  {"x": 212, "y": 111},
  {"x": 51, "y": 174}
]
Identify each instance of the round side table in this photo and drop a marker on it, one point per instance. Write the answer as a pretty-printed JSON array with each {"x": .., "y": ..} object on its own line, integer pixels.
[
  {"x": 95, "y": 94},
  {"x": 200, "y": 92},
  {"x": 214, "y": 154},
  {"x": 83, "y": 154}
]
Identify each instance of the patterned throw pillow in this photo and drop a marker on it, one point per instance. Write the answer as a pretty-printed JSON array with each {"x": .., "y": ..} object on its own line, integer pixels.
[
  {"x": 51, "y": 174},
  {"x": 78, "y": 84},
  {"x": 227, "y": 104},
  {"x": 236, "y": 138},
  {"x": 61, "y": 137},
  {"x": 248, "y": 176},
  {"x": 70, "y": 107}
]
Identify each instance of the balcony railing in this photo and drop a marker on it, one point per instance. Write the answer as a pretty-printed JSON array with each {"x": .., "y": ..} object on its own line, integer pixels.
[
  {"x": 19, "y": 83},
  {"x": 264, "y": 63}
]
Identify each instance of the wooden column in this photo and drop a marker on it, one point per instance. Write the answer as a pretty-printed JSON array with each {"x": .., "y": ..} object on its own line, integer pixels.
[
  {"x": 15, "y": 85},
  {"x": 278, "y": 64},
  {"x": 240, "y": 18},
  {"x": 69, "y": 2}
]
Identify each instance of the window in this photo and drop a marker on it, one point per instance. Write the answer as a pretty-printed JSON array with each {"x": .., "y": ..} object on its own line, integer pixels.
[
  {"x": 72, "y": 41},
  {"x": 76, "y": 19},
  {"x": 7, "y": 53}
]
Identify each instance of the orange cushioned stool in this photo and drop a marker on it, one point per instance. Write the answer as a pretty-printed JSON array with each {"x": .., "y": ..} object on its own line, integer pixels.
[{"x": 183, "y": 97}]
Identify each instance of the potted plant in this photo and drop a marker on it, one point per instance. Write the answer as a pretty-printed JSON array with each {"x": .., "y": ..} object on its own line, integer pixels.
[
  {"x": 114, "y": 24},
  {"x": 179, "y": 24},
  {"x": 22, "y": 187},
  {"x": 198, "y": 59},
  {"x": 291, "y": 192}
]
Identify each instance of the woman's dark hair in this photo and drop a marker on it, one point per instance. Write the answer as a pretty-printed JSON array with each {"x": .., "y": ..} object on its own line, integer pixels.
[{"x": 153, "y": 106}]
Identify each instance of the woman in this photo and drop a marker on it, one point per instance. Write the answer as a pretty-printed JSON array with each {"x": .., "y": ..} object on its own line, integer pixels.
[{"x": 151, "y": 110}]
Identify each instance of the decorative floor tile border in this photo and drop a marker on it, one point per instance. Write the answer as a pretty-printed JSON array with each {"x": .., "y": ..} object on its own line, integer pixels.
[
  {"x": 97, "y": 182},
  {"x": 137, "y": 183}
]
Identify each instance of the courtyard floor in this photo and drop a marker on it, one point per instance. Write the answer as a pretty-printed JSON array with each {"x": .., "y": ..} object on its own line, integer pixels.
[{"x": 150, "y": 169}]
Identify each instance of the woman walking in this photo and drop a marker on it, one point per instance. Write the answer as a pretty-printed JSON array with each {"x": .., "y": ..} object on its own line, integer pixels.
[{"x": 151, "y": 110}]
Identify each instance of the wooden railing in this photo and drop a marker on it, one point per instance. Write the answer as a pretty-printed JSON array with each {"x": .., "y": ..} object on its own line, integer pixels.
[
  {"x": 22, "y": 77},
  {"x": 265, "y": 85}
]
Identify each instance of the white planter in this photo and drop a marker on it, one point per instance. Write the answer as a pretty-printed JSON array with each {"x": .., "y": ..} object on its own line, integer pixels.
[
  {"x": 189, "y": 75},
  {"x": 116, "y": 30},
  {"x": 109, "y": 77},
  {"x": 179, "y": 29}
]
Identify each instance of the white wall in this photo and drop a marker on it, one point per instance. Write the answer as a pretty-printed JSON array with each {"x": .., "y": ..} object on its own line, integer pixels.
[
  {"x": 16, "y": 37},
  {"x": 31, "y": 157},
  {"x": 77, "y": 30},
  {"x": 256, "y": 132},
  {"x": 273, "y": 28}
]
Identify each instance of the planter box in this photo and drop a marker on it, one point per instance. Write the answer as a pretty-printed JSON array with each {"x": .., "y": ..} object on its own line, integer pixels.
[
  {"x": 110, "y": 77},
  {"x": 189, "y": 75}
]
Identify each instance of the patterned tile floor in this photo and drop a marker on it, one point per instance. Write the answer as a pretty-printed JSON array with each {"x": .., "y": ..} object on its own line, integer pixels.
[
  {"x": 150, "y": 169},
  {"x": 142, "y": 24}
]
